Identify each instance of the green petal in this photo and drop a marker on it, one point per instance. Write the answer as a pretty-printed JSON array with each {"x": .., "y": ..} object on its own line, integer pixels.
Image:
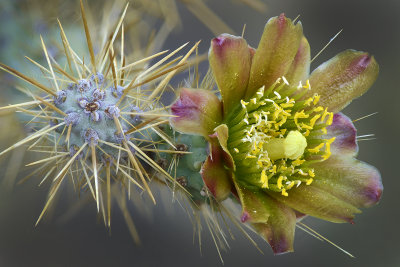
[
  {"x": 230, "y": 61},
  {"x": 350, "y": 180},
  {"x": 255, "y": 203},
  {"x": 197, "y": 111},
  {"x": 344, "y": 77},
  {"x": 271, "y": 219},
  {"x": 215, "y": 176},
  {"x": 280, "y": 228},
  {"x": 300, "y": 68},
  {"x": 275, "y": 53},
  {"x": 319, "y": 203}
]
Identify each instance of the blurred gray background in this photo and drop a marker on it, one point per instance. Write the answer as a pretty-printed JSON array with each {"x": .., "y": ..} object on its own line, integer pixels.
[{"x": 82, "y": 240}]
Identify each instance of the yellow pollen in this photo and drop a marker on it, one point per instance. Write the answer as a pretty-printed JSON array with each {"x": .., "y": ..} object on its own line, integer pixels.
[
  {"x": 318, "y": 109},
  {"x": 316, "y": 99},
  {"x": 290, "y": 185},
  {"x": 330, "y": 120},
  {"x": 298, "y": 162},
  {"x": 311, "y": 173},
  {"x": 264, "y": 179},
  {"x": 300, "y": 115},
  {"x": 307, "y": 86},
  {"x": 309, "y": 181},
  {"x": 284, "y": 193},
  {"x": 314, "y": 119},
  {"x": 317, "y": 148},
  {"x": 236, "y": 150},
  {"x": 279, "y": 182}
]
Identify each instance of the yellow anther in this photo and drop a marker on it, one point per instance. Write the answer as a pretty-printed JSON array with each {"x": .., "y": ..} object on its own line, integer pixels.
[
  {"x": 298, "y": 162},
  {"x": 324, "y": 114},
  {"x": 307, "y": 86},
  {"x": 328, "y": 148},
  {"x": 324, "y": 131},
  {"x": 314, "y": 119},
  {"x": 284, "y": 193},
  {"x": 317, "y": 148},
  {"x": 331, "y": 140},
  {"x": 309, "y": 181},
  {"x": 273, "y": 169},
  {"x": 330, "y": 120},
  {"x": 253, "y": 100},
  {"x": 287, "y": 105},
  {"x": 236, "y": 150},
  {"x": 289, "y": 186},
  {"x": 316, "y": 99},
  {"x": 250, "y": 156},
  {"x": 264, "y": 179},
  {"x": 279, "y": 182},
  {"x": 308, "y": 101},
  {"x": 305, "y": 126},
  {"x": 282, "y": 168},
  {"x": 311, "y": 173},
  {"x": 300, "y": 115},
  {"x": 301, "y": 172},
  {"x": 318, "y": 109}
]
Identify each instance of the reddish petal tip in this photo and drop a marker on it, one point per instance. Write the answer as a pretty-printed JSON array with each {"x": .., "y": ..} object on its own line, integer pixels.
[{"x": 245, "y": 217}]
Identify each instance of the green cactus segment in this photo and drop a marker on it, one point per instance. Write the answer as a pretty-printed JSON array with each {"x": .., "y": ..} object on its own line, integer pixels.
[{"x": 189, "y": 165}]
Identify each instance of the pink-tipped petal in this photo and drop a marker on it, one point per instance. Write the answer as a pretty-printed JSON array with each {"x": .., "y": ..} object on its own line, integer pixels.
[
  {"x": 345, "y": 134},
  {"x": 280, "y": 228},
  {"x": 215, "y": 176},
  {"x": 319, "y": 203},
  {"x": 198, "y": 112},
  {"x": 350, "y": 180},
  {"x": 344, "y": 77},
  {"x": 300, "y": 68},
  {"x": 230, "y": 61},
  {"x": 255, "y": 203},
  {"x": 275, "y": 53}
]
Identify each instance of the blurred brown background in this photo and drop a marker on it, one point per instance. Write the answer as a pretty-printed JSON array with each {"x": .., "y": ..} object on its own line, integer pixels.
[{"x": 368, "y": 25}]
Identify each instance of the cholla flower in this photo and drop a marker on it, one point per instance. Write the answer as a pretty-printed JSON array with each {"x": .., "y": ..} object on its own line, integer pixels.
[
  {"x": 98, "y": 121},
  {"x": 278, "y": 141}
]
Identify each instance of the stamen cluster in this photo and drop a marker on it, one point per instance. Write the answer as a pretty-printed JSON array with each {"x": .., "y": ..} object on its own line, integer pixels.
[{"x": 274, "y": 137}]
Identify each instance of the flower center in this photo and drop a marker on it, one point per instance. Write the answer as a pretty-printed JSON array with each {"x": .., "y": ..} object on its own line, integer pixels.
[{"x": 275, "y": 136}]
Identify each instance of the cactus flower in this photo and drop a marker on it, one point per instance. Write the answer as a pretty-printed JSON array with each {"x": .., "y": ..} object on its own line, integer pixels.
[{"x": 277, "y": 139}]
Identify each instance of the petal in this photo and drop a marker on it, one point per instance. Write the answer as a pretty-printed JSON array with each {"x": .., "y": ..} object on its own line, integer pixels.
[
  {"x": 275, "y": 53},
  {"x": 280, "y": 228},
  {"x": 319, "y": 203},
  {"x": 215, "y": 176},
  {"x": 255, "y": 203},
  {"x": 350, "y": 180},
  {"x": 344, "y": 77},
  {"x": 300, "y": 68},
  {"x": 343, "y": 129},
  {"x": 222, "y": 134},
  {"x": 198, "y": 111},
  {"x": 230, "y": 60}
]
